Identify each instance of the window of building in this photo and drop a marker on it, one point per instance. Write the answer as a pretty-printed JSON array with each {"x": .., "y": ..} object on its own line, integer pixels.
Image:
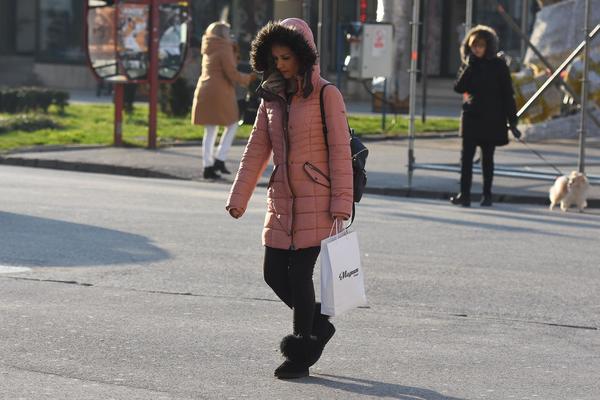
[{"x": 60, "y": 37}]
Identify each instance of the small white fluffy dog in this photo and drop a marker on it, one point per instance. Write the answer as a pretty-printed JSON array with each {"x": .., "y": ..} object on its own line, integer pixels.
[{"x": 569, "y": 190}]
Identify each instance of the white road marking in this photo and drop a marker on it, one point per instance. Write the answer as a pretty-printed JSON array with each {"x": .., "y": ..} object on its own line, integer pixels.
[{"x": 5, "y": 269}]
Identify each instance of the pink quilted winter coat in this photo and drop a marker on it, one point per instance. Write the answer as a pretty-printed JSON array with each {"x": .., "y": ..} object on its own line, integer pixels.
[{"x": 311, "y": 182}]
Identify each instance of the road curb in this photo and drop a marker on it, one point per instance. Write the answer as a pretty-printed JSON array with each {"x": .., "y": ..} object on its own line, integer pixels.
[
  {"x": 148, "y": 173},
  {"x": 86, "y": 167}
]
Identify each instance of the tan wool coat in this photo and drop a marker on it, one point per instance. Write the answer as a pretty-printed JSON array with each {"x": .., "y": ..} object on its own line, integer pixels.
[{"x": 215, "y": 102}]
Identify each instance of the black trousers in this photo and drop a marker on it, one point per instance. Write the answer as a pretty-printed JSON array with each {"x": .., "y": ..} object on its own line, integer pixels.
[
  {"x": 290, "y": 274},
  {"x": 466, "y": 169}
]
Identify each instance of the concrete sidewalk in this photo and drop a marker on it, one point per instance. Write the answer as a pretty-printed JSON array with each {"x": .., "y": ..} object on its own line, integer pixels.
[{"x": 387, "y": 166}]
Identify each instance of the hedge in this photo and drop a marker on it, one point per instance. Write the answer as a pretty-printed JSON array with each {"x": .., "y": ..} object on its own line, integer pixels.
[{"x": 28, "y": 99}]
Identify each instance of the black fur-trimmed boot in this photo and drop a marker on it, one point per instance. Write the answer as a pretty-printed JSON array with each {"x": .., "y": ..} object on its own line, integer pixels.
[
  {"x": 323, "y": 330},
  {"x": 298, "y": 351}
]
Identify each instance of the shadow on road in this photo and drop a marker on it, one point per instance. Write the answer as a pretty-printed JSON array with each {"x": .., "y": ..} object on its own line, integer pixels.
[
  {"x": 480, "y": 225},
  {"x": 374, "y": 388},
  {"x": 40, "y": 242}
]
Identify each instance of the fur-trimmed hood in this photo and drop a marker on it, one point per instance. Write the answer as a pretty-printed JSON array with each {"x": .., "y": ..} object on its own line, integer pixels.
[
  {"x": 295, "y": 34},
  {"x": 486, "y": 33}
]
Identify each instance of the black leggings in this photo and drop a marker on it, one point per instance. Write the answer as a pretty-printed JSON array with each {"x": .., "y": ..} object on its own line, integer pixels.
[
  {"x": 487, "y": 166},
  {"x": 290, "y": 274}
]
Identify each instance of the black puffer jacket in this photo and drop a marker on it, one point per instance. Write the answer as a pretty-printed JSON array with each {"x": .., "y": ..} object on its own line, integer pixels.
[{"x": 488, "y": 96}]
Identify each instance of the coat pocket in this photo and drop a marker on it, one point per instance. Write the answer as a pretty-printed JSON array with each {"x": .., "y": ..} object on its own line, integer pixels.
[
  {"x": 316, "y": 175},
  {"x": 272, "y": 178}
]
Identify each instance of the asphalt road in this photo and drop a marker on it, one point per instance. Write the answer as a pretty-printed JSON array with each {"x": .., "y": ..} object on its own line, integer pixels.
[{"x": 124, "y": 288}]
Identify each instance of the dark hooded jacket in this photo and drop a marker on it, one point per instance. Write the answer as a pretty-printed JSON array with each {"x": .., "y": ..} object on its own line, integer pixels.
[{"x": 488, "y": 96}]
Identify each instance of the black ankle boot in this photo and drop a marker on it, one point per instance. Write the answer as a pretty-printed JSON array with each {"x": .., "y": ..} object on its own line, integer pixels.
[
  {"x": 209, "y": 173},
  {"x": 461, "y": 200},
  {"x": 486, "y": 200},
  {"x": 291, "y": 370},
  {"x": 297, "y": 351},
  {"x": 220, "y": 167}
]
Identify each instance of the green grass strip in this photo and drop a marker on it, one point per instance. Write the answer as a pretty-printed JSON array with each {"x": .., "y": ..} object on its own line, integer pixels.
[{"x": 93, "y": 125}]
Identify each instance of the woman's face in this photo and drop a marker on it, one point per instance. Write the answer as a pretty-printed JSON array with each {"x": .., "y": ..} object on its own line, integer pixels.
[
  {"x": 477, "y": 47},
  {"x": 286, "y": 61}
]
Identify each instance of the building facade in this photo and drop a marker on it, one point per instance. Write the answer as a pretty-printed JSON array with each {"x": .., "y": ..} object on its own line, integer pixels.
[{"x": 41, "y": 41}]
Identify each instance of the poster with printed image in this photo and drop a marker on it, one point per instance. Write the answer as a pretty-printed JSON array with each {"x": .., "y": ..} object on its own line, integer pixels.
[
  {"x": 133, "y": 39},
  {"x": 101, "y": 40},
  {"x": 133, "y": 20}
]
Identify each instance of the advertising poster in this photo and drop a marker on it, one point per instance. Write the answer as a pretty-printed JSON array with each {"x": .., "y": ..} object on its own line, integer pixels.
[
  {"x": 101, "y": 40},
  {"x": 132, "y": 44}
]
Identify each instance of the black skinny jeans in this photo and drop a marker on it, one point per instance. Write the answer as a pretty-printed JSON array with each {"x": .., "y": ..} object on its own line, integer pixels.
[
  {"x": 487, "y": 166},
  {"x": 290, "y": 274}
]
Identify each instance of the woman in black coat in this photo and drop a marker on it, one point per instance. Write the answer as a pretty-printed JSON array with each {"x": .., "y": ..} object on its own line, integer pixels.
[{"x": 488, "y": 109}]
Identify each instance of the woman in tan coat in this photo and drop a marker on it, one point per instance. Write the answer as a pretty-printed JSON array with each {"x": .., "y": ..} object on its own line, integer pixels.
[
  {"x": 215, "y": 103},
  {"x": 311, "y": 184}
]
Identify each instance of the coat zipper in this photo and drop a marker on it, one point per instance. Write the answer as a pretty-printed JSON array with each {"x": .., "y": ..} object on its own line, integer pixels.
[{"x": 287, "y": 169}]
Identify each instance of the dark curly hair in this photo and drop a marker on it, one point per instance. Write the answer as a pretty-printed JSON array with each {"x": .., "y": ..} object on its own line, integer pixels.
[
  {"x": 261, "y": 59},
  {"x": 480, "y": 32}
]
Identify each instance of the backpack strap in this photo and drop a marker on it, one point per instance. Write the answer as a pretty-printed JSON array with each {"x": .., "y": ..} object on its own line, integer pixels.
[
  {"x": 325, "y": 134},
  {"x": 323, "y": 111}
]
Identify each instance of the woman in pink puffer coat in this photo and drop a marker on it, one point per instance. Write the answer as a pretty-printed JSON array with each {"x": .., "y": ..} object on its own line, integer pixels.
[{"x": 310, "y": 187}]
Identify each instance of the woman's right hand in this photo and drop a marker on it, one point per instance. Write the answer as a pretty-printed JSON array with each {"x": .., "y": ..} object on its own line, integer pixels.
[{"x": 235, "y": 212}]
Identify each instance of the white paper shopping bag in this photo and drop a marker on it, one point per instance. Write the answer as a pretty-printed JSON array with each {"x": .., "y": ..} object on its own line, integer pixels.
[{"x": 342, "y": 280}]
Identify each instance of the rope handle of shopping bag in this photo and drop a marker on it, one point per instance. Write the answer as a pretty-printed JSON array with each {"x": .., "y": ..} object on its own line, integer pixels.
[{"x": 336, "y": 224}]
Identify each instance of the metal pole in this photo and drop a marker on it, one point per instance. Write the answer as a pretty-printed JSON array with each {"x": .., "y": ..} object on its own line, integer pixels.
[
  {"x": 118, "y": 99},
  {"x": 469, "y": 16},
  {"x": 424, "y": 60},
  {"x": 153, "y": 74},
  {"x": 338, "y": 55},
  {"x": 564, "y": 65},
  {"x": 524, "y": 25},
  {"x": 414, "y": 57},
  {"x": 118, "y": 91},
  {"x": 306, "y": 11},
  {"x": 584, "y": 88},
  {"x": 320, "y": 35},
  {"x": 384, "y": 104}
]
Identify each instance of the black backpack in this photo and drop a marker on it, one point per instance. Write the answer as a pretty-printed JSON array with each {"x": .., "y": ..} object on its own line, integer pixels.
[{"x": 359, "y": 157}]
